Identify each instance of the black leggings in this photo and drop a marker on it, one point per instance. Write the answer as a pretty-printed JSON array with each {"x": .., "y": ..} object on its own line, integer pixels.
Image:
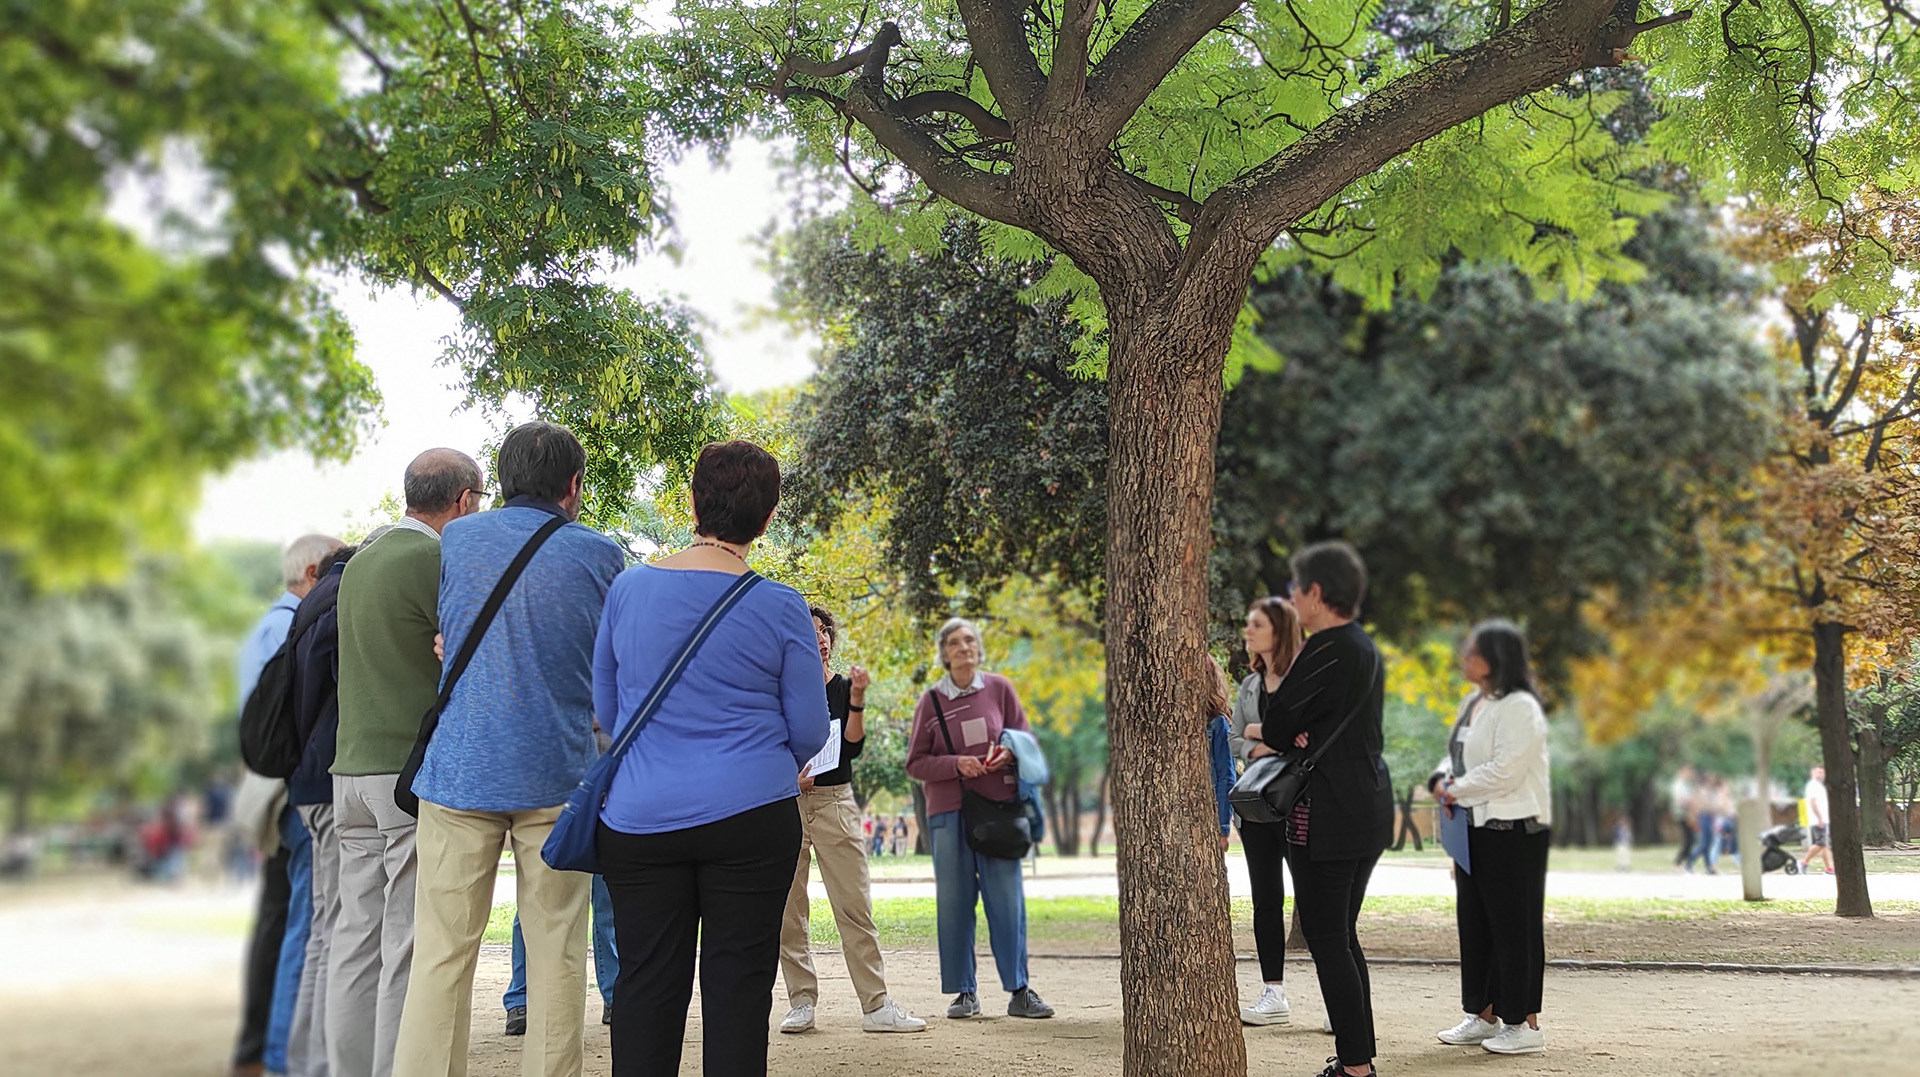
[
  {"x": 1329, "y": 894},
  {"x": 1266, "y": 847},
  {"x": 1501, "y": 912},
  {"x": 722, "y": 886}
]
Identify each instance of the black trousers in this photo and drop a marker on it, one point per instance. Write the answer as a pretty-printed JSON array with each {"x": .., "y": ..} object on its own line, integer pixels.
[
  {"x": 1501, "y": 912},
  {"x": 1329, "y": 894},
  {"x": 722, "y": 886},
  {"x": 263, "y": 959},
  {"x": 1266, "y": 848},
  {"x": 1686, "y": 842}
]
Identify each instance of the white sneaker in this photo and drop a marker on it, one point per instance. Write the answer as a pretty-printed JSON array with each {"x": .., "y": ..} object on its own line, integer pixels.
[
  {"x": 1469, "y": 1031},
  {"x": 1272, "y": 1009},
  {"x": 1517, "y": 1039},
  {"x": 798, "y": 1019},
  {"x": 891, "y": 1017}
]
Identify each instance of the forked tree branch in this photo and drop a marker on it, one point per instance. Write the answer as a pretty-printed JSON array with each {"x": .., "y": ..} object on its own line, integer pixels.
[
  {"x": 1541, "y": 49},
  {"x": 1143, "y": 56},
  {"x": 1183, "y": 205},
  {"x": 892, "y": 123},
  {"x": 1067, "y": 81},
  {"x": 997, "y": 32}
]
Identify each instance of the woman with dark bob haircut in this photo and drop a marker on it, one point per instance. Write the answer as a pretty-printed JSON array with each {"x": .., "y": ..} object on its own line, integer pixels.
[
  {"x": 701, "y": 827},
  {"x": 1496, "y": 768}
]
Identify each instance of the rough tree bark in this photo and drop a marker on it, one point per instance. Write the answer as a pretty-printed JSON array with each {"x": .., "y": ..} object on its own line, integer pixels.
[
  {"x": 1171, "y": 303},
  {"x": 1836, "y": 752},
  {"x": 1165, "y": 389}
]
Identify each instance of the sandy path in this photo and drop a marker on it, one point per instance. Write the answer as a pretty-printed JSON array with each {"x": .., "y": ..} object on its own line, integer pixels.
[{"x": 1608, "y": 1023}]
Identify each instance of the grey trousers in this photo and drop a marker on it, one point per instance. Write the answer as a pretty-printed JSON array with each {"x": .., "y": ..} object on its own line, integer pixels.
[
  {"x": 372, "y": 945},
  {"x": 307, "y": 1043}
]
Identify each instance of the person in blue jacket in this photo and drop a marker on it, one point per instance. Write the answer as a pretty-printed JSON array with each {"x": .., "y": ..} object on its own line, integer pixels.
[{"x": 1219, "y": 751}]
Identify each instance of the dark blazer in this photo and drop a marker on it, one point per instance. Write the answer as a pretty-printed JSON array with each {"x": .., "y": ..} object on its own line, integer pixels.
[
  {"x": 316, "y": 673},
  {"x": 1350, "y": 791}
]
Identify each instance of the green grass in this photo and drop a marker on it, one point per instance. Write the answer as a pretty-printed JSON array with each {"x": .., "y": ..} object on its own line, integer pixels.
[{"x": 1084, "y": 923}]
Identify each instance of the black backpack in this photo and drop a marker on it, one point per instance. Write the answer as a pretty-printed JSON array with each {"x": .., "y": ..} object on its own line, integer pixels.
[{"x": 269, "y": 734}]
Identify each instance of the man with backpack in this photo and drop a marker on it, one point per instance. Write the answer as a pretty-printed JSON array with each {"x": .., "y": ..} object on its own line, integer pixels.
[
  {"x": 265, "y": 1015},
  {"x": 315, "y": 644}
]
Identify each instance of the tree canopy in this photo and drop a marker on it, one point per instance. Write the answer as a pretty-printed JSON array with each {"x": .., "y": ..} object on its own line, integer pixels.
[
  {"x": 494, "y": 153},
  {"x": 1489, "y": 450}
]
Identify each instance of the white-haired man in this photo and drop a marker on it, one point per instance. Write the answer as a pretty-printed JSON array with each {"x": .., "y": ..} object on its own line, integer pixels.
[{"x": 262, "y": 1041}]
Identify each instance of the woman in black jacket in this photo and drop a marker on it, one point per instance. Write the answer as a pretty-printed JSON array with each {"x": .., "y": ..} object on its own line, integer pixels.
[{"x": 1338, "y": 830}]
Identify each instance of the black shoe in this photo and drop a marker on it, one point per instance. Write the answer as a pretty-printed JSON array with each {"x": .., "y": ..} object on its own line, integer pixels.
[
  {"x": 606, "y": 1014},
  {"x": 1335, "y": 1069},
  {"x": 517, "y": 1021},
  {"x": 1027, "y": 1003}
]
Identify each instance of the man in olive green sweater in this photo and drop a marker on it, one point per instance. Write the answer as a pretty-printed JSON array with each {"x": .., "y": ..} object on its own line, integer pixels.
[{"x": 389, "y": 676}]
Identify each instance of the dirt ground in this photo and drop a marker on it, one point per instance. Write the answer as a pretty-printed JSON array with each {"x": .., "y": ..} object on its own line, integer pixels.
[{"x": 1597, "y": 1023}]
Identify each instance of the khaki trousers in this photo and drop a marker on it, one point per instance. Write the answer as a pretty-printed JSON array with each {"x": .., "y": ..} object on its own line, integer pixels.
[
  {"x": 458, "y": 855},
  {"x": 372, "y": 945},
  {"x": 830, "y": 829}
]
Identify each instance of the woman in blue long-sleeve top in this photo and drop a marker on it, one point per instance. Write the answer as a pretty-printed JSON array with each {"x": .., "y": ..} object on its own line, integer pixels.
[{"x": 701, "y": 827}]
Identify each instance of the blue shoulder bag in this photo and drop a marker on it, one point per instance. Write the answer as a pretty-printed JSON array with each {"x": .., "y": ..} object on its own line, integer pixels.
[{"x": 572, "y": 845}]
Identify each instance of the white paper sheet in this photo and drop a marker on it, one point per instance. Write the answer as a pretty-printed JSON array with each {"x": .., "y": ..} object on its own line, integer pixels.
[{"x": 829, "y": 756}]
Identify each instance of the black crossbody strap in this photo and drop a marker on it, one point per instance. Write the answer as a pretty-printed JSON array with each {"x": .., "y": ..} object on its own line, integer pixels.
[
  {"x": 1372, "y": 676},
  {"x": 941, "y": 713},
  {"x": 494, "y": 601}
]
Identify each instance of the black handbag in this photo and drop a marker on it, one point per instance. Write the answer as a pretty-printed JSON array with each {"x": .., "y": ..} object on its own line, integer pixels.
[
  {"x": 1272, "y": 784},
  {"x": 996, "y": 828},
  {"x": 403, "y": 795}
]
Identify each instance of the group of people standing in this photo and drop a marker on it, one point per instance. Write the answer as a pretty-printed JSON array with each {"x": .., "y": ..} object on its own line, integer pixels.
[
  {"x": 1316, "y": 681},
  {"x": 420, "y": 652}
]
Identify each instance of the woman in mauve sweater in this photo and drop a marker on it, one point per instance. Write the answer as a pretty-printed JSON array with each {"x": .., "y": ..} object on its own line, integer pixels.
[{"x": 973, "y": 706}]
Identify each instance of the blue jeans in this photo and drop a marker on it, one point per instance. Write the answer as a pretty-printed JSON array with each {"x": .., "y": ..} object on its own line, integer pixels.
[
  {"x": 962, "y": 877},
  {"x": 1708, "y": 843},
  {"x": 293, "y": 944},
  {"x": 606, "y": 961}
]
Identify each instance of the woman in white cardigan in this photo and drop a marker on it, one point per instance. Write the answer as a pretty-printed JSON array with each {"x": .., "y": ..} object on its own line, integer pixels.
[{"x": 1496, "y": 769}]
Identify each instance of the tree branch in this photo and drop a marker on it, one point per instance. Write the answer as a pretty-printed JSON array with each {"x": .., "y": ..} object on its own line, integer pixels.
[
  {"x": 1184, "y": 207},
  {"x": 1541, "y": 49},
  {"x": 1143, "y": 56},
  {"x": 1067, "y": 82},
  {"x": 868, "y": 104},
  {"x": 998, "y": 34},
  {"x": 927, "y": 102}
]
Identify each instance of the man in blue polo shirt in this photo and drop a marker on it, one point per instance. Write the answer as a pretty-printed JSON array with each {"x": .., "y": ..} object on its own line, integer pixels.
[{"x": 513, "y": 741}]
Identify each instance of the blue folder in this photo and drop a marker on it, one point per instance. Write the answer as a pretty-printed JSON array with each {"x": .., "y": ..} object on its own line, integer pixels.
[{"x": 1454, "y": 824}]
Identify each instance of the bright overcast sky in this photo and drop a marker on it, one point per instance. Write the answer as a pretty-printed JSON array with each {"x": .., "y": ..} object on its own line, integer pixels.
[{"x": 721, "y": 214}]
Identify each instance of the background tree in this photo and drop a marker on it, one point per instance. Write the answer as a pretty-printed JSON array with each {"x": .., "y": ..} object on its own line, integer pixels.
[
  {"x": 1832, "y": 531},
  {"x": 96, "y": 687},
  {"x": 1488, "y": 449},
  {"x": 1886, "y": 720}
]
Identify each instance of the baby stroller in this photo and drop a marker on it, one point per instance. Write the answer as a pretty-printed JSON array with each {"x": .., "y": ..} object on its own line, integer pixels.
[{"x": 1773, "y": 856}]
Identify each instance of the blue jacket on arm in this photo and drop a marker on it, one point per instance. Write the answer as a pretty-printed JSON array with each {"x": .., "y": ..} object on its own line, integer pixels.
[{"x": 1220, "y": 756}]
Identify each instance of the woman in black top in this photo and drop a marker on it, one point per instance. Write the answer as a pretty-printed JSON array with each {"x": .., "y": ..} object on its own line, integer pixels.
[
  {"x": 1272, "y": 637},
  {"x": 830, "y": 827},
  {"x": 1345, "y": 821}
]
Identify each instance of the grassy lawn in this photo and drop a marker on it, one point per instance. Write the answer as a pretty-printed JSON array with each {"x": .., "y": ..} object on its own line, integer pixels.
[{"x": 1616, "y": 929}]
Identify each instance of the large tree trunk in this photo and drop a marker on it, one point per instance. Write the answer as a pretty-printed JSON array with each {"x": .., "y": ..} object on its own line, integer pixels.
[
  {"x": 1836, "y": 751},
  {"x": 1176, "y": 956},
  {"x": 1875, "y": 826},
  {"x": 1099, "y": 811}
]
